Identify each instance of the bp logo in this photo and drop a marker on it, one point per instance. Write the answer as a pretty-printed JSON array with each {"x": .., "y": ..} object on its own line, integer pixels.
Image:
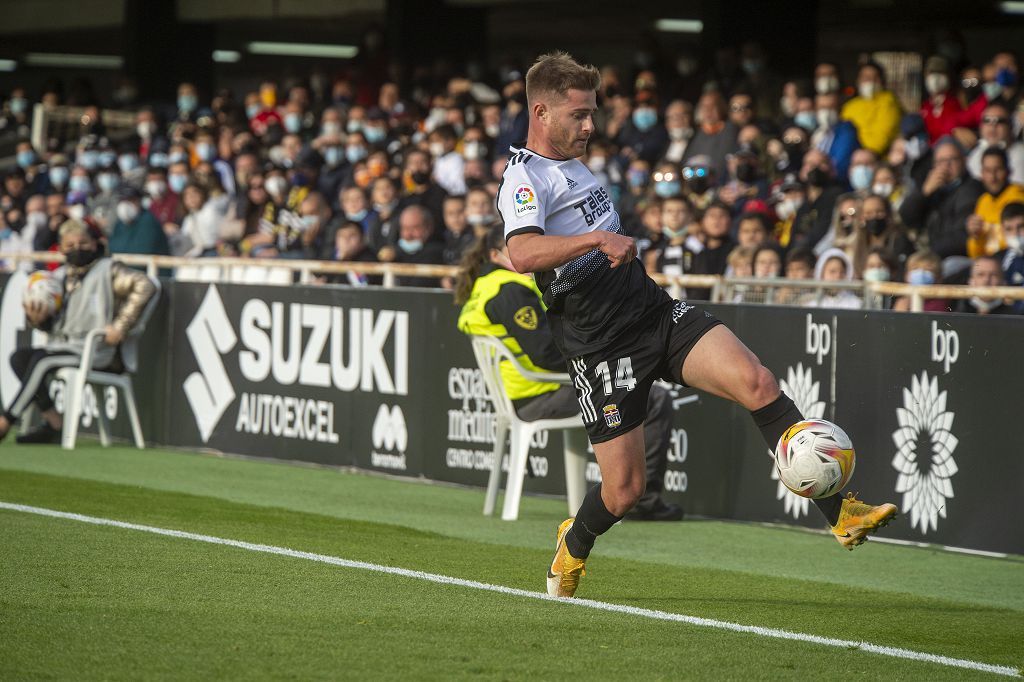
[
  {"x": 799, "y": 385},
  {"x": 525, "y": 199},
  {"x": 924, "y": 452}
]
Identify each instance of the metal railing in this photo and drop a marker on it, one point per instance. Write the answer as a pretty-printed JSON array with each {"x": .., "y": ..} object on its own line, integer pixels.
[{"x": 284, "y": 271}]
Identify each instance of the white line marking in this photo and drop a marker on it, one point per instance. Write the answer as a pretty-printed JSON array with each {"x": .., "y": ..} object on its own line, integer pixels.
[{"x": 539, "y": 596}]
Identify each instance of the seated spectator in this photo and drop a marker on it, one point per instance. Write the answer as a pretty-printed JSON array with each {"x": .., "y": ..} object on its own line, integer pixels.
[
  {"x": 162, "y": 202},
  {"x": 835, "y": 266},
  {"x": 939, "y": 208},
  {"x": 942, "y": 111},
  {"x": 875, "y": 111},
  {"x": 700, "y": 182},
  {"x": 314, "y": 215},
  {"x": 200, "y": 228},
  {"x": 414, "y": 245},
  {"x": 835, "y": 137},
  {"x": 679, "y": 126},
  {"x": 879, "y": 228},
  {"x": 457, "y": 235},
  {"x": 767, "y": 264},
  {"x": 841, "y": 233},
  {"x": 716, "y": 137},
  {"x": 448, "y": 164},
  {"x": 863, "y": 163},
  {"x": 643, "y": 136},
  {"x": 136, "y": 229},
  {"x": 481, "y": 213},
  {"x": 813, "y": 218},
  {"x": 986, "y": 271},
  {"x": 745, "y": 181},
  {"x": 711, "y": 260},
  {"x": 984, "y": 235},
  {"x": 923, "y": 267},
  {"x": 355, "y": 207},
  {"x": 98, "y": 293},
  {"x": 752, "y": 229},
  {"x": 997, "y": 132},
  {"x": 888, "y": 184},
  {"x": 800, "y": 264},
  {"x": 1013, "y": 257},
  {"x": 383, "y": 221},
  {"x": 881, "y": 265},
  {"x": 420, "y": 190},
  {"x": 349, "y": 246},
  {"x": 673, "y": 254},
  {"x": 740, "y": 262}
]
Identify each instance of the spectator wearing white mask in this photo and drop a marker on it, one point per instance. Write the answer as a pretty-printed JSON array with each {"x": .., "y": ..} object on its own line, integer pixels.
[{"x": 996, "y": 131}]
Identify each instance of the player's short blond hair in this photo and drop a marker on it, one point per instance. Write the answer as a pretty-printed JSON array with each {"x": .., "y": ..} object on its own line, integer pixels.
[{"x": 555, "y": 73}]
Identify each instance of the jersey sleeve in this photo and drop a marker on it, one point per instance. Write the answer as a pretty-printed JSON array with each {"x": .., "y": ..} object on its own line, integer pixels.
[
  {"x": 519, "y": 310},
  {"x": 522, "y": 200}
]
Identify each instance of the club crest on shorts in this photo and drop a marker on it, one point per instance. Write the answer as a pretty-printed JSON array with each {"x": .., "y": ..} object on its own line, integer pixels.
[{"x": 612, "y": 417}]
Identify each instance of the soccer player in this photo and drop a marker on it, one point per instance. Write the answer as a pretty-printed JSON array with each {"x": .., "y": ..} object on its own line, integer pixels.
[{"x": 619, "y": 330}]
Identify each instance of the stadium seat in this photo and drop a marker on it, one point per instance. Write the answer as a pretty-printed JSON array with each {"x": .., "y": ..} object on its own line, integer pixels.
[
  {"x": 75, "y": 379},
  {"x": 490, "y": 352}
]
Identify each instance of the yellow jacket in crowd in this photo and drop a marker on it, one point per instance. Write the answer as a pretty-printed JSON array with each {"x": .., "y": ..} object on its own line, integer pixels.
[
  {"x": 990, "y": 208},
  {"x": 877, "y": 120}
]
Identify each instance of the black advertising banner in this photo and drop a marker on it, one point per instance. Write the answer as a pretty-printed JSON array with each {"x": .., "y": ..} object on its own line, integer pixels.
[{"x": 382, "y": 380}]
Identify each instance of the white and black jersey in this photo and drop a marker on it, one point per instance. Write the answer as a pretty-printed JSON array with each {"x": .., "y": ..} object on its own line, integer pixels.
[{"x": 589, "y": 304}]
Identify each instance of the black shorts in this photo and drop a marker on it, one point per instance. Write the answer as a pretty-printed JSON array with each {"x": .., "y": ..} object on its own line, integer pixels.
[{"x": 612, "y": 385}]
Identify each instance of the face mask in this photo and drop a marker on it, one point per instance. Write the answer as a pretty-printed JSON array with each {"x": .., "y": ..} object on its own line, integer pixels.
[
  {"x": 867, "y": 89},
  {"x": 876, "y": 226},
  {"x": 356, "y": 217},
  {"x": 807, "y": 120},
  {"x": 88, "y": 159},
  {"x": 419, "y": 177},
  {"x": 252, "y": 110},
  {"x": 177, "y": 157},
  {"x": 827, "y": 117},
  {"x": 436, "y": 149},
  {"x": 1006, "y": 78},
  {"x": 920, "y": 277},
  {"x": 37, "y": 219},
  {"x": 292, "y": 122},
  {"x": 145, "y": 129},
  {"x": 354, "y": 126},
  {"x": 817, "y": 177},
  {"x": 26, "y": 158},
  {"x": 410, "y": 246},
  {"x": 915, "y": 148},
  {"x": 309, "y": 222},
  {"x": 751, "y": 66},
  {"x": 936, "y": 83},
  {"x": 479, "y": 219},
  {"x": 156, "y": 188},
  {"x": 876, "y": 275},
  {"x": 473, "y": 150},
  {"x": 644, "y": 118},
  {"x": 860, "y": 177},
  {"x": 636, "y": 178},
  {"x": 79, "y": 258},
  {"x": 984, "y": 306},
  {"x": 76, "y": 212},
  {"x": 1014, "y": 242},
  {"x": 187, "y": 103},
  {"x": 672, "y": 234},
  {"x": 746, "y": 173},
  {"x": 80, "y": 183},
  {"x": 698, "y": 184},
  {"x": 992, "y": 90},
  {"x": 667, "y": 188},
  {"x": 787, "y": 208},
  {"x": 355, "y": 153},
  {"x": 205, "y": 151},
  {"x": 374, "y": 134},
  {"x": 107, "y": 182},
  {"x": 882, "y": 189},
  {"x": 276, "y": 186},
  {"x": 679, "y": 134},
  {"x": 127, "y": 211},
  {"x": 492, "y": 130},
  {"x": 58, "y": 176},
  {"x": 18, "y": 105},
  {"x": 333, "y": 155},
  {"x": 159, "y": 160},
  {"x": 596, "y": 164},
  {"x": 787, "y": 106},
  {"x": 127, "y": 163},
  {"x": 824, "y": 85},
  {"x": 107, "y": 159},
  {"x": 177, "y": 182}
]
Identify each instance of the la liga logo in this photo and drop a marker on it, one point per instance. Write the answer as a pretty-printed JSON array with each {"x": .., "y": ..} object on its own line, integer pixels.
[{"x": 526, "y": 200}]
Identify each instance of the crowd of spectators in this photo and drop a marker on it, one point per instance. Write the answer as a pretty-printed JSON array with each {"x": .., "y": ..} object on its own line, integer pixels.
[{"x": 736, "y": 171}]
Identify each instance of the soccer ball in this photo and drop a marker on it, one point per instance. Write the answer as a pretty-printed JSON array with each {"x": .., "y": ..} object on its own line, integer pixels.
[
  {"x": 43, "y": 288},
  {"x": 814, "y": 458}
]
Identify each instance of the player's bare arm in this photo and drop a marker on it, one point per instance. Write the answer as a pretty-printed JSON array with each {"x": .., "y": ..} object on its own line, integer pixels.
[{"x": 532, "y": 252}]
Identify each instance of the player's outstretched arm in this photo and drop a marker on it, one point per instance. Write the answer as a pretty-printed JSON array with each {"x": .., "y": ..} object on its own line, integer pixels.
[{"x": 532, "y": 252}]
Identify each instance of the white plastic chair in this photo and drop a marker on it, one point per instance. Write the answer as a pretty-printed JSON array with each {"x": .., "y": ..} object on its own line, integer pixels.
[
  {"x": 490, "y": 352},
  {"x": 75, "y": 379}
]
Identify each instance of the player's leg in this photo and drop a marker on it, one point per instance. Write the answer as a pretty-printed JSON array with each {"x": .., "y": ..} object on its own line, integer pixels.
[
  {"x": 721, "y": 364},
  {"x": 621, "y": 460},
  {"x": 657, "y": 440}
]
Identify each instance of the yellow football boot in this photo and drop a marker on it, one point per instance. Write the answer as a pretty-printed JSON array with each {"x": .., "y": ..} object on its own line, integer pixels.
[
  {"x": 566, "y": 570},
  {"x": 857, "y": 519}
]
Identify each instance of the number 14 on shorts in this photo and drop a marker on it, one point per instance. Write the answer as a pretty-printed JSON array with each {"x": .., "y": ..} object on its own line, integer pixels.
[{"x": 623, "y": 375}]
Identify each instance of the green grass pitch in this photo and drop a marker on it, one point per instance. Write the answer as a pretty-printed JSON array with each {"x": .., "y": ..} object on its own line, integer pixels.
[{"x": 80, "y": 601}]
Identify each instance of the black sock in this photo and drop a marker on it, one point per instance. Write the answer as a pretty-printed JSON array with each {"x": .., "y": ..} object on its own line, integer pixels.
[
  {"x": 592, "y": 519},
  {"x": 773, "y": 419}
]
